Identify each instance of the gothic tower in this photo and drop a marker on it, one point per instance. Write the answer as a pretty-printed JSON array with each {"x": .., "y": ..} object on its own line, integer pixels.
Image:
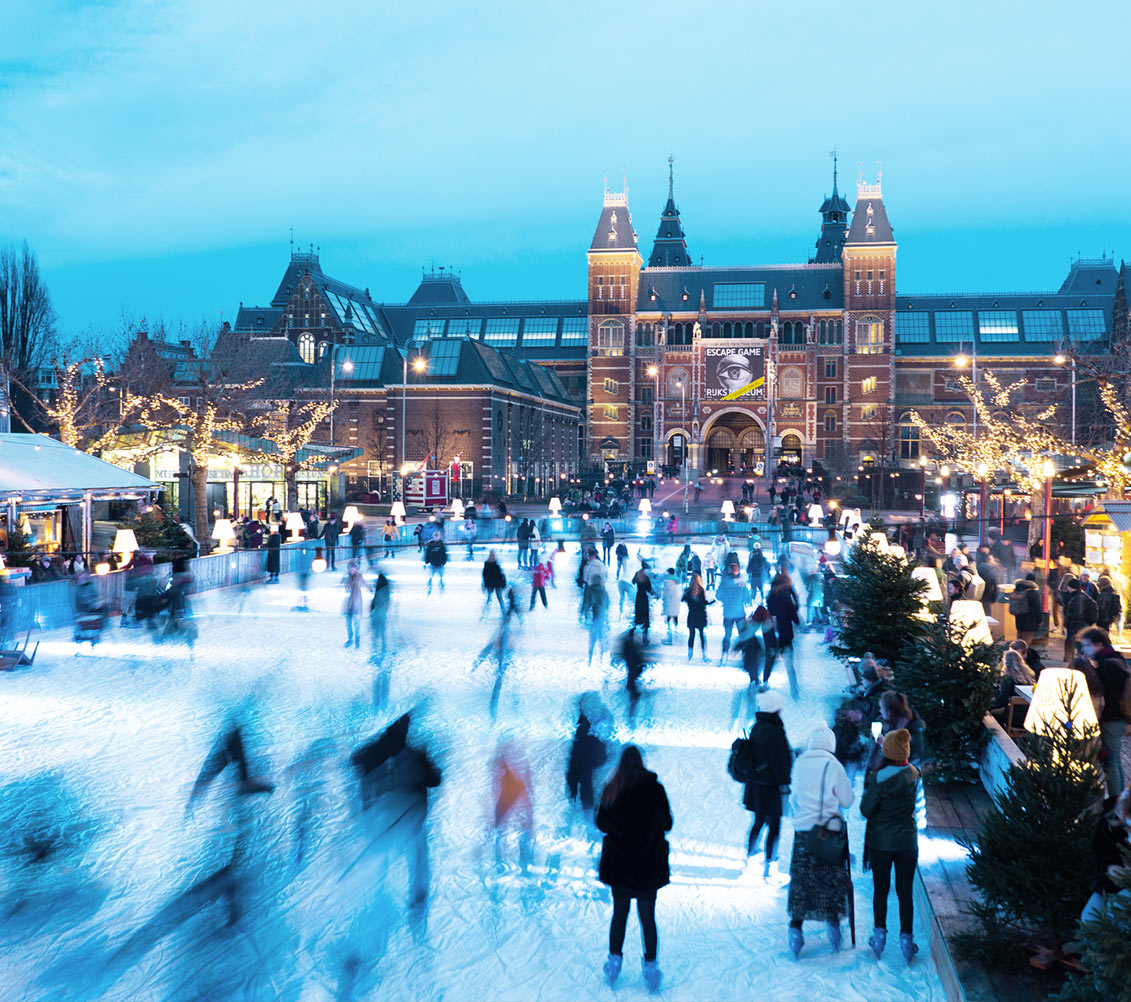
[
  {"x": 614, "y": 278},
  {"x": 869, "y": 320},
  {"x": 834, "y": 226},
  {"x": 670, "y": 247}
]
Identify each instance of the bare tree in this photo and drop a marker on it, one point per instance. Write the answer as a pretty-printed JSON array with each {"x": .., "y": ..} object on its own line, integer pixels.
[
  {"x": 881, "y": 439},
  {"x": 27, "y": 324},
  {"x": 290, "y": 425},
  {"x": 436, "y": 436}
]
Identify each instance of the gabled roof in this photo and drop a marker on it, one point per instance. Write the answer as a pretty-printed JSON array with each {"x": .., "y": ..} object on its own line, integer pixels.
[
  {"x": 670, "y": 246},
  {"x": 1091, "y": 276},
  {"x": 614, "y": 229},
  {"x": 352, "y": 307},
  {"x": 870, "y": 219}
]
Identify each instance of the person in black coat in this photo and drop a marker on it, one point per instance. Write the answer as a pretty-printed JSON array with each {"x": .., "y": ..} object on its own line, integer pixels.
[
  {"x": 634, "y": 814},
  {"x": 330, "y": 532},
  {"x": 273, "y": 544},
  {"x": 783, "y": 605},
  {"x": 1027, "y": 594},
  {"x": 586, "y": 753},
  {"x": 768, "y": 764},
  {"x": 357, "y": 539},
  {"x": 494, "y": 581}
]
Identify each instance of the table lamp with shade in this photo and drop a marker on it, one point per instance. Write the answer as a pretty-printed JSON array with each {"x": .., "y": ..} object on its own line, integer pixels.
[
  {"x": 645, "y": 507},
  {"x": 1060, "y": 699},
  {"x": 728, "y": 510},
  {"x": 224, "y": 534},
  {"x": 349, "y": 516},
  {"x": 969, "y": 618},
  {"x": 816, "y": 513},
  {"x": 397, "y": 511},
  {"x": 125, "y": 543},
  {"x": 457, "y": 508},
  {"x": 555, "y": 506},
  {"x": 294, "y": 525}
]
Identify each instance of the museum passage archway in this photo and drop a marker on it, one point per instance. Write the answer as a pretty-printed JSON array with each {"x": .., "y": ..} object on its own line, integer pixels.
[{"x": 735, "y": 443}]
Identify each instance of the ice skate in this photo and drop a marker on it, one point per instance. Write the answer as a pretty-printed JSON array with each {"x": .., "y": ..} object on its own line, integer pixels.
[
  {"x": 907, "y": 946},
  {"x": 652, "y": 976},
  {"x": 796, "y": 941},
  {"x": 612, "y": 969},
  {"x": 877, "y": 941},
  {"x": 833, "y": 929}
]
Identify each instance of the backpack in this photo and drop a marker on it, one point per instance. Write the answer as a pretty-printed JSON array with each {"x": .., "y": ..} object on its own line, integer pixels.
[
  {"x": 1018, "y": 602},
  {"x": 738, "y": 762},
  {"x": 1108, "y": 606}
]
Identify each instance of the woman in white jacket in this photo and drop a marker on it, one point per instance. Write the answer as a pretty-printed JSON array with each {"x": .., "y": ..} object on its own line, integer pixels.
[{"x": 820, "y": 792}]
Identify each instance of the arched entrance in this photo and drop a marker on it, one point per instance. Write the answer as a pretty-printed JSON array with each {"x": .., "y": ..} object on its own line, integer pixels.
[{"x": 735, "y": 442}]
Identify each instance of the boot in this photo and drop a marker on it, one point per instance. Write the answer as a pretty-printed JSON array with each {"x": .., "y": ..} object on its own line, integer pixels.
[
  {"x": 796, "y": 941},
  {"x": 690, "y": 652},
  {"x": 907, "y": 946},
  {"x": 612, "y": 968},
  {"x": 652, "y": 976},
  {"x": 877, "y": 941},
  {"x": 833, "y": 929}
]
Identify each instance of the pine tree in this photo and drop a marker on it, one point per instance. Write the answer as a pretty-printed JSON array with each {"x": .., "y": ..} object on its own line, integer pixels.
[
  {"x": 1032, "y": 861},
  {"x": 950, "y": 685},
  {"x": 882, "y": 599},
  {"x": 154, "y": 529},
  {"x": 1103, "y": 943}
]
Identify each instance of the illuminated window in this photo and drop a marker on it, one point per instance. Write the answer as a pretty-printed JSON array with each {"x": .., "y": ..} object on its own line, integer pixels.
[
  {"x": 610, "y": 338},
  {"x": 908, "y": 438},
  {"x": 868, "y": 412},
  {"x": 306, "y": 348},
  {"x": 575, "y": 330},
  {"x": 611, "y": 386},
  {"x": 869, "y": 336},
  {"x": 612, "y": 412},
  {"x": 868, "y": 385},
  {"x": 501, "y": 331},
  {"x": 464, "y": 327},
  {"x": 539, "y": 330},
  {"x": 427, "y": 328}
]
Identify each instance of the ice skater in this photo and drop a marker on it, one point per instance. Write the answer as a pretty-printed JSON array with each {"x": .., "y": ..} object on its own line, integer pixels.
[
  {"x": 635, "y": 816},
  {"x": 598, "y": 625},
  {"x": 510, "y": 787},
  {"x": 494, "y": 582},
  {"x": 587, "y": 753},
  {"x": 352, "y": 604},
  {"x": 435, "y": 556}
]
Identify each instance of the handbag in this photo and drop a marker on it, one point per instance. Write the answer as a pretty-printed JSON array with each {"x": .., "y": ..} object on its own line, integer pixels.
[{"x": 829, "y": 845}]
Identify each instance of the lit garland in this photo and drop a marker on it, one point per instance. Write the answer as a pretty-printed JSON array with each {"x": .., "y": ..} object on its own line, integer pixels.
[{"x": 290, "y": 427}]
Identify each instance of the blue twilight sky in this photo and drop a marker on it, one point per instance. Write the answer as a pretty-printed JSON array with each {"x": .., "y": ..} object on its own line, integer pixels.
[{"x": 155, "y": 154}]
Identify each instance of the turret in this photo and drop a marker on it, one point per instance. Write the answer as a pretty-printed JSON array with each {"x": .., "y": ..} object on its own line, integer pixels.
[
  {"x": 670, "y": 247},
  {"x": 834, "y": 225}
]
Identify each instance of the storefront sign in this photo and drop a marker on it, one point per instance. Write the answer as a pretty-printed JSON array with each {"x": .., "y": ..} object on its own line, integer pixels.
[{"x": 736, "y": 373}]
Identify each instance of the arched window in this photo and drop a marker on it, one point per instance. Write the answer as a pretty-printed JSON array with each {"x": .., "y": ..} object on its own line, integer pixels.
[
  {"x": 677, "y": 384},
  {"x": 728, "y": 331},
  {"x": 644, "y": 335},
  {"x": 306, "y": 347},
  {"x": 610, "y": 338},
  {"x": 869, "y": 336},
  {"x": 760, "y": 329}
]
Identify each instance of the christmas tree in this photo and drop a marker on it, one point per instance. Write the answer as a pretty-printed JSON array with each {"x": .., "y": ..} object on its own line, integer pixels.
[
  {"x": 950, "y": 683},
  {"x": 1032, "y": 861},
  {"x": 1103, "y": 944},
  {"x": 881, "y": 599},
  {"x": 156, "y": 530}
]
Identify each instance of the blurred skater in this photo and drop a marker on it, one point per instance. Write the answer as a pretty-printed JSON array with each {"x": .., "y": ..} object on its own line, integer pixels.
[
  {"x": 510, "y": 787},
  {"x": 352, "y": 604},
  {"x": 494, "y": 581},
  {"x": 435, "y": 556},
  {"x": 587, "y": 753}
]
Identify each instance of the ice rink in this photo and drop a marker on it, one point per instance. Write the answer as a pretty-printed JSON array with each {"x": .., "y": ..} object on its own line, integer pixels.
[{"x": 100, "y": 750}]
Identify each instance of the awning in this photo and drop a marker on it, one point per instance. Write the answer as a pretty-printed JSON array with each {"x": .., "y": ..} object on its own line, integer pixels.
[{"x": 35, "y": 468}]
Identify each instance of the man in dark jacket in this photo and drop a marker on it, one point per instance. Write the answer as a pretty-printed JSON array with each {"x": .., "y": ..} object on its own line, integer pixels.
[
  {"x": 1109, "y": 606},
  {"x": 357, "y": 539},
  {"x": 586, "y": 754},
  {"x": 988, "y": 571},
  {"x": 330, "y": 532},
  {"x": 435, "y": 556},
  {"x": 756, "y": 571},
  {"x": 1080, "y": 611},
  {"x": 1025, "y": 605},
  {"x": 494, "y": 581},
  {"x": 767, "y": 767},
  {"x": 1113, "y": 672}
]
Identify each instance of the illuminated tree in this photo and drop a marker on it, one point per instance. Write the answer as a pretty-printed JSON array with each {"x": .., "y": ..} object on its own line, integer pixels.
[{"x": 290, "y": 426}]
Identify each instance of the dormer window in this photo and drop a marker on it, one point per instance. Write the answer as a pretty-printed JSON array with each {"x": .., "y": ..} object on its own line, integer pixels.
[{"x": 686, "y": 295}]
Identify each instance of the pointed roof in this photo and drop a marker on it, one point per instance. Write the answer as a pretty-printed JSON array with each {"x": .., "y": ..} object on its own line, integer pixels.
[
  {"x": 870, "y": 219},
  {"x": 439, "y": 288},
  {"x": 614, "y": 229},
  {"x": 670, "y": 246},
  {"x": 835, "y": 202},
  {"x": 834, "y": 220}
]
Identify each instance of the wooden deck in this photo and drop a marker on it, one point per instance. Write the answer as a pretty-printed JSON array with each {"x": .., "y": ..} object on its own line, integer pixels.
[{"x": 954, "y": 813}]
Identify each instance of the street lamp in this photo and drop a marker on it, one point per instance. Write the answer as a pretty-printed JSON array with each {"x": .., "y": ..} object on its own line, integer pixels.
[
  {"x": 960, "y": 362},
  {"x": 1048, "y": 470},
  {"x": 1062, "y": 359},
  {"x": 654, "y": 372},
  {"x": 418, "y": 365},
  {"x": 922, "y": 484},
  {"x": 347, "y": 366}
]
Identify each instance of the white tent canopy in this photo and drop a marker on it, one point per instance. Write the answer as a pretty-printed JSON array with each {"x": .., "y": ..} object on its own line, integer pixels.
[{"x": 38, "y": 468}]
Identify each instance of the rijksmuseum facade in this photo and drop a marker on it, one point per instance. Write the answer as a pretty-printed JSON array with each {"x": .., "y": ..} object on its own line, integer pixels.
[{"x": 725, "y": 368}]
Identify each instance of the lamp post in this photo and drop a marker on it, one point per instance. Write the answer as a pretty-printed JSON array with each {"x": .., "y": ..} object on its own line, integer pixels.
[
  {"x": 418, "y": 365},
  {"x": 922, "y": 485},
  {"x": 347, "y": 366},
  {"x": 1062, "y": 359},
  {"x": 1048, "y": 470},
  {"x": 981, "y": 471},
  {"x": 960, "y": 361},
  {"x": 654, "y": 372}
]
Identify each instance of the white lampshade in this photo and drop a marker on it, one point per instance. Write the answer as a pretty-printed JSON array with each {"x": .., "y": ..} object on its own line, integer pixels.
[
  {"x": 931, "y": 580},
  {"x": 816, "y": 513},
  {"x": 223, "y": 532},
  {"x": 125, "y": 542},
  {"x": 728, "y": 510},
  {"x": 457, "y": 508},
  {"x": 349, "y": 516},
  {"x": 555, "y": 505},
  {"x": 1056, "y": 687},
  {"x": 294, "y": 524},
  {"x": 645, "y": 507},
  {"x": 896, "y": 550},
  {"x": 970, "y": 618},
  {"x": 397, "y": 511}
]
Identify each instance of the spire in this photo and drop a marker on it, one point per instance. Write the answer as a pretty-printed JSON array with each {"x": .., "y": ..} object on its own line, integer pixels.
[
  {"x": 670, "y": 247},
  {"x": 834, "y": 223}
]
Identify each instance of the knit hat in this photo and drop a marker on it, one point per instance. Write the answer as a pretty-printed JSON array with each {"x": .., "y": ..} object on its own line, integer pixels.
[
  {"x": 897, "y": 746},
  {"x": 822, "y": 739},
  {"x": 771, "y": 701}
]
